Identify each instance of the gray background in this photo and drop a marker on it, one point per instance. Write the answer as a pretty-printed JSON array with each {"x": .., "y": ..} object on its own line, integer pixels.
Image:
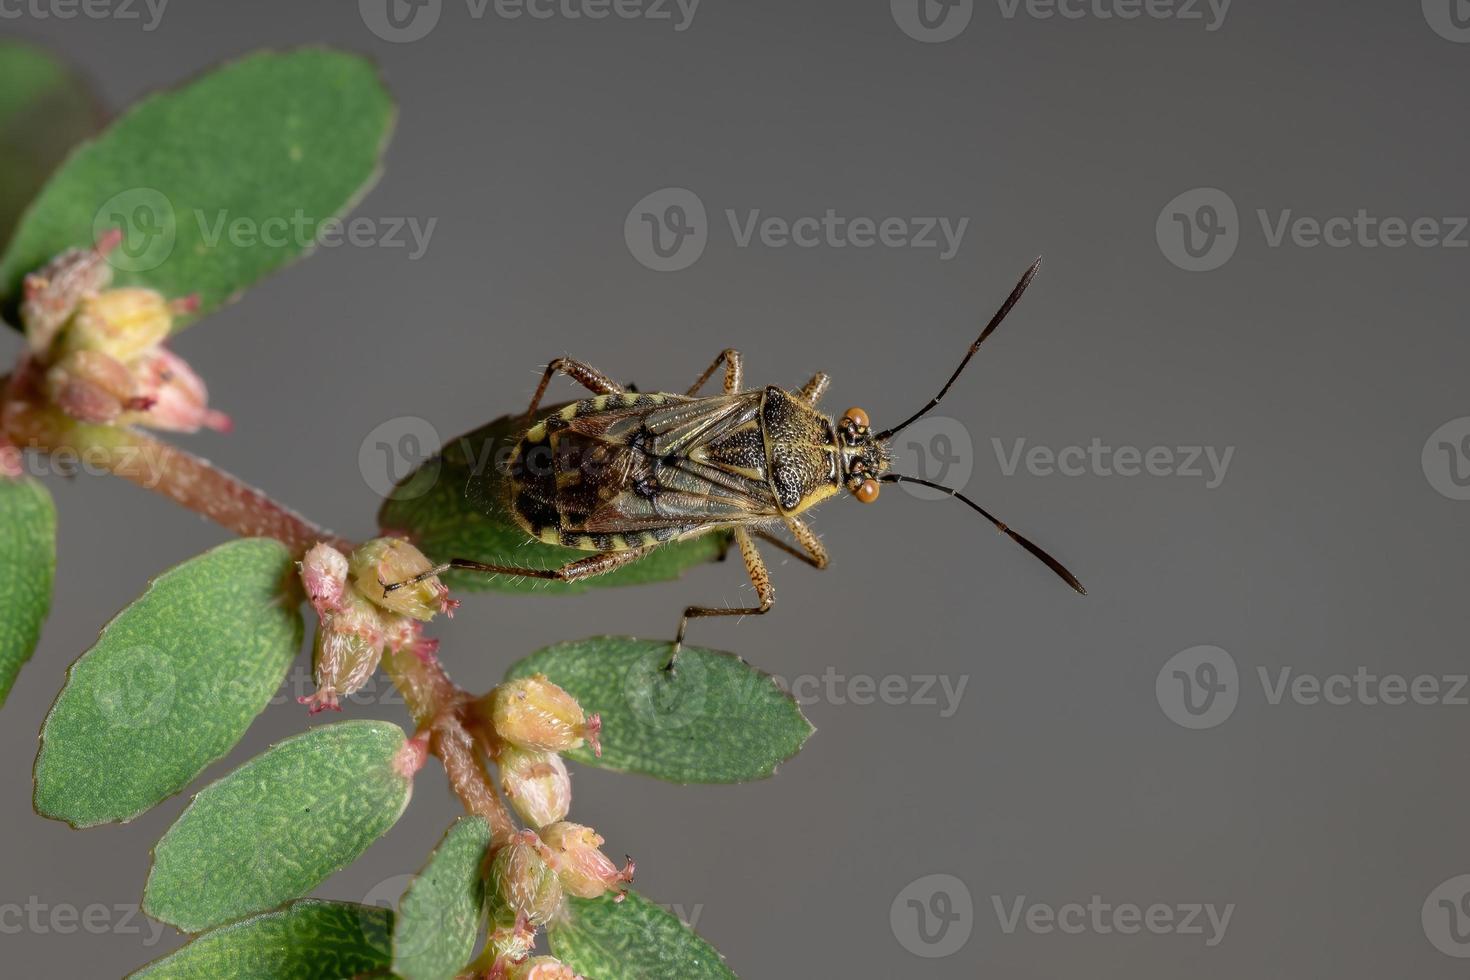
[{"x": 1325, "y": 549}]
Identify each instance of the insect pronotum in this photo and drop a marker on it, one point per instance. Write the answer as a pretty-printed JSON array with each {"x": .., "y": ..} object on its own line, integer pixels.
[{"x": 623, "y": 473}]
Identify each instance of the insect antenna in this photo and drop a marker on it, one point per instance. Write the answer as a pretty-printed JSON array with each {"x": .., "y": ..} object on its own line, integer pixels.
[
  {"x": 1021, "y": 540},
  {"x": 1000, "y": 315}
]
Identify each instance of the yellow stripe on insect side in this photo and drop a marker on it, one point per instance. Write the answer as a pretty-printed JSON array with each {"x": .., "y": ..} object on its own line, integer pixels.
[
  {"x": 550, "y": 535},
  {"x": 536, "y": 433},
  {"x": 568, "y": 413}
]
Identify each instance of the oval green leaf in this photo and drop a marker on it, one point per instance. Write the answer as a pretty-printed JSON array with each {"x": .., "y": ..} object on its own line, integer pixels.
[
  {"x": 219, "y": 182},
  {"x": 171, "y": 685},
  {"x": 275, "y": 828},
  {"x": 453, "y": 506},
  {"x": 306, "y": 940},
  {"x": 714, "y": 719},
  {"x": 27, "y": 566},
  {"x": 439, "y": 916},
  {"x": 45, "y": 110},
  {"x": 633, "y": 940}
]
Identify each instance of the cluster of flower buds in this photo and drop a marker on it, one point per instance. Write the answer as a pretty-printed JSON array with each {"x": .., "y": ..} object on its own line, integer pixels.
[
  {"x": 102, "y": 350},
  {"x": 358, "y": 617}
]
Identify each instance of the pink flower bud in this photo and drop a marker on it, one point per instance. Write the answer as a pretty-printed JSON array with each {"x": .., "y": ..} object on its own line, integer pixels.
[
  {"x": 176, "y": 398},
  {"x": 541, "y": 968},
  {"x": 52, "y": 293},
  {"x": 584, "y": 870},
  {"x": 384, "y": 562},
  {"x": 523, "y": 882},
  {"x": 324, "y": 574},
  {"x": 349, "y": 644},
  {"x": 533, "y": 713},
  {"x": 536, "y": 783},
  {"x": 92, "y": 387}
]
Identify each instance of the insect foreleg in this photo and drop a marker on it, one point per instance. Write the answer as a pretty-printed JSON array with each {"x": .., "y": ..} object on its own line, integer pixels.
[
  {"x": 755, "y": 567},
  {"x": 811, "y": 550},
  {"x": 813, "y": 390},
  {"x": 584, "y": 374},
  {"x": 734, "y": 372}
]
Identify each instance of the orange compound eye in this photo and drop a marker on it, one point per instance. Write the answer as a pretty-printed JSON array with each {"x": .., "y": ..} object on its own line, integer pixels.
[
  {"x": 857, "y": 417},
  {"x": 867, "y": 491}
]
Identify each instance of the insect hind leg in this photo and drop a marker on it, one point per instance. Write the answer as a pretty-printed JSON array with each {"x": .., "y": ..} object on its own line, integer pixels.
[
  {"x": 574, "y": 571},
  {"x": 760, "y": 577},
  {"x": 584, "y": 374},
  {"x": 734, "y": 372},
  {"x": 813, "y": 390}
]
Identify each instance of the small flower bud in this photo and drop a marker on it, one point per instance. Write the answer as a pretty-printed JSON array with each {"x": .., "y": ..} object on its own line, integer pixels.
[
  {"x": 52, "y": 293},
  {"x": 584, "y": 870},
  {"x": 349, "y": 644},
  {"x": 92, "y": 387},
  {"x": 536, "y": 783},
  {"x": 509, "y": 942},
  {"x": 123, "y": 323},
  {"x": 175, "y": 397},
  {"x": 324, "y": 574},
  {"x": 383, "y": 562},
  {"x": 523, "y": 881},
  {"x": 541, "y": 968},
  {"x": 534, "y": 713}
]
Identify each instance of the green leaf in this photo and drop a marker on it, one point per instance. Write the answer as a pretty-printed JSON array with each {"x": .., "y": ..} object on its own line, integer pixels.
[
  {"x": 45, "y": 110},
  {"x": 275, "y": 828},
  {"x": 171, "y": 685},
  {"x": 633, "y": 940},
  {"x": 219, "y": 182},
  {"x": 439, "y": 916},
  {"x": 713, "y": 719},
  {"x": 27, "y": 565},
  {"x": 306, "y": 940},
  {"x": 453, "y": 506}
]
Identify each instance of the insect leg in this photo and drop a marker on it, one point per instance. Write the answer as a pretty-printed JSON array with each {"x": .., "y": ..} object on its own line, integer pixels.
[
  {"x": 574, "y": 571},
  {"x": 811, "y": 550},
  {"x": 584, "y": 374},
  {"x": 755, "y": 567},
  {"x": 813, "y": 390},
  {"x": 734, "y": 372}
]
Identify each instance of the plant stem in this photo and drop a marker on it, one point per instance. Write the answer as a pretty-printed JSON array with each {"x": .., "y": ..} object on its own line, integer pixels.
[{"x": 435, "y": 703}]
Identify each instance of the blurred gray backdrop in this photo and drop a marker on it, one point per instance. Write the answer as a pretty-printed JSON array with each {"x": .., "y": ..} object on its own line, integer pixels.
[{"x": 1234, "y": 403}]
